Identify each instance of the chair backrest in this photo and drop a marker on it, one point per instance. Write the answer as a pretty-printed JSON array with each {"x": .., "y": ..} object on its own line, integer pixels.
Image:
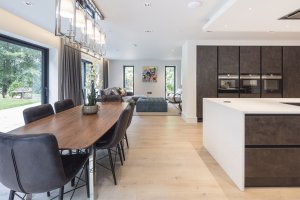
[
  {"x": 132, "y": 104},
  {"x": 37, "y": 112},
  {"x": 63, "y": 105},
  {"x": 120, "y": 127},
  {"x": 30, "y": 163}
]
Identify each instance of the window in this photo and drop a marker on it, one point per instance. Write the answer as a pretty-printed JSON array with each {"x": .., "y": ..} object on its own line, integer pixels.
[
  {"x": 128, "y": 78},
  {"x": 170, "y": 80},
  {"x": 23, "y": 80},
  {"x": 86, "y": 74}
]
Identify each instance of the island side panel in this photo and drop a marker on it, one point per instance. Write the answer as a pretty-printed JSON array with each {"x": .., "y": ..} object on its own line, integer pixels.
[
  {"x": 272, "y": 150},
  {"x": 224, "y": 139}
]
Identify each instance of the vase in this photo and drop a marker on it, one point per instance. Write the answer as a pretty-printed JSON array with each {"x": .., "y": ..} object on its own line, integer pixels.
[{"x": 88, "y": 110}]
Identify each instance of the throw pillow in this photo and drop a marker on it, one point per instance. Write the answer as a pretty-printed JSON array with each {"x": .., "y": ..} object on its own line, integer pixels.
[
  {"x": 114, "y": 91},
  {"x": 123, "y": 92},
  {"x": 107, "y": 91}
]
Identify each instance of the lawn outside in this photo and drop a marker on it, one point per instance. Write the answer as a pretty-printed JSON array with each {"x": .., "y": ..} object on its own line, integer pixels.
[{"x": 12, "y": 103}]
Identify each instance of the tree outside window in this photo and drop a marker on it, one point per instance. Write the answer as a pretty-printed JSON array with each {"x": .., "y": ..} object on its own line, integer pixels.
[{"x": 128, "y": 78}]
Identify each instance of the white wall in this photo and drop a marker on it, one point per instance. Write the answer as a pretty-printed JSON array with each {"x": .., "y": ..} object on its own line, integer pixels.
[
  {"x": 19, "y": 28},
  {"x": 188, "y": 65},
  {"x": 115, "y": 75}
]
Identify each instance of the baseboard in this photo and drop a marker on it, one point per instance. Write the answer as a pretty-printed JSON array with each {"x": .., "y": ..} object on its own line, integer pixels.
[{"x": 189, "y": 119}]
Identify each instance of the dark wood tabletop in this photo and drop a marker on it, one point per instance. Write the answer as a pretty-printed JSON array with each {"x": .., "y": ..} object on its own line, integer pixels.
[{"x": 72, "y": 129}]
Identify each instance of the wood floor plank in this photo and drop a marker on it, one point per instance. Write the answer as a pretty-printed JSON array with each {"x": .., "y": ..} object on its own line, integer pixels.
[{"x": 167, "y": 161}]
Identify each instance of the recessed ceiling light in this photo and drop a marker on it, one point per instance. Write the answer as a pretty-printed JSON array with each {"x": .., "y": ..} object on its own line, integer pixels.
[
  {"x": 250, "y": 9},
  {"x": 147, "y": 4},
  {"x": 148, "y": 31},
  {"x": 28, "y": 3},
  {"x": 195, "y": 4}
]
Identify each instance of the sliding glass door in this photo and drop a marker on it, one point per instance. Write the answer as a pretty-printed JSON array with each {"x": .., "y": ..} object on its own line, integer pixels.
[{"x": 23, "y": 80}]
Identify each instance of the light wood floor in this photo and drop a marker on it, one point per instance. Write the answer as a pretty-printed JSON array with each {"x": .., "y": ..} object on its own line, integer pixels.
[
  {"x": 159, "y": 166},
  {"x": 166, "y": 161}
]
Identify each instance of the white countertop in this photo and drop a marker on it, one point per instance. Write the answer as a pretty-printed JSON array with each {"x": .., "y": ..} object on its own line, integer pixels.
[{"x": 260, "y": 105}]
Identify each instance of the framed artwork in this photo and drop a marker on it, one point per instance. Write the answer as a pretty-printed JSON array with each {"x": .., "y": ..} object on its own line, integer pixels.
[{"x": 149, "y": 74}]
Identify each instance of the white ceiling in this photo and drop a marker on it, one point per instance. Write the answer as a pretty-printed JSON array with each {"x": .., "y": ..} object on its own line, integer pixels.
[
  {"x": 172, "y": 23},
  {"x": 255, "y": 16}
]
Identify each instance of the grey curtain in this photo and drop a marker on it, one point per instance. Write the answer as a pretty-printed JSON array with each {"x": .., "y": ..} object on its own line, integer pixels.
[
  {"x": 71, "y": 82},
  {"x": 105, "y": 73}
]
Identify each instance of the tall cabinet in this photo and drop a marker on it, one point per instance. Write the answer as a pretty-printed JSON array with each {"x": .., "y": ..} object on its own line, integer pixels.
[
  {"x": 228, "y": 71},
  {"x": 291, "y": 72},
  {"x": 250, "y": 72},
  {"x": 207, "y": 63},
  {"x": 247, "y": 71},
  {"x": 271, "y": 71}
]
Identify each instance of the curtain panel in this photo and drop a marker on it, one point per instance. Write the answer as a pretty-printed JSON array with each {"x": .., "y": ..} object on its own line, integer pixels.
[
  {"x": 105, "y": 73},
  {"x": 71, "y": 79}
]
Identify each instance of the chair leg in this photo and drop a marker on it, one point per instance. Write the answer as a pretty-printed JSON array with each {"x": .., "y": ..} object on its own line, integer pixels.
[
  {"x": 122, "y": 148},
  {"x": 61, "y": 193},
  {"x": 48, "y": 194},
  {"x": 119, "y": 152},
  {"x": 112, "y": 166},
  {"x": 11, "y": 195},
  {"x": 87, "y": 179},
  {"x": 73, "y": 182},
  {"x": 126, "y": 140}
]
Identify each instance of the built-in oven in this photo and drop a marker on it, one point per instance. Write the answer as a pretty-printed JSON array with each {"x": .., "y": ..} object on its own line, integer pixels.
[
  {"x": 250, "y": 85},
  {"x": 272, "y": 84},
  {"x": 228, "y": 83}
]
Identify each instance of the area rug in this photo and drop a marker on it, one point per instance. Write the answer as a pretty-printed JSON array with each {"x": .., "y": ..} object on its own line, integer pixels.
[{"x": 172, "y": 111}]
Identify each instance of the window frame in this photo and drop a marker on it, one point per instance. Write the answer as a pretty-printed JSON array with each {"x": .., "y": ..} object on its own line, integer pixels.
[
  {"x": 166, "y": 96},
  {"x": 45, "y": 63},
  {"x": 124, "y": 69},
  {"x": 84, "y": 64}
]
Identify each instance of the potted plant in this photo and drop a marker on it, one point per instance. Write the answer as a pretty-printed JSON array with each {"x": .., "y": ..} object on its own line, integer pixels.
[{"x": 91, "y": 107}]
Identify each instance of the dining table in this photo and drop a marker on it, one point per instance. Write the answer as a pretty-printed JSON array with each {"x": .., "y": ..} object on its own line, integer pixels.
[{"x": 75, "y": 130}]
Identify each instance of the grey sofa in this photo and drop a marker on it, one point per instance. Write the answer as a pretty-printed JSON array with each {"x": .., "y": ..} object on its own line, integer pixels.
[{"x": 112, "y": 95}]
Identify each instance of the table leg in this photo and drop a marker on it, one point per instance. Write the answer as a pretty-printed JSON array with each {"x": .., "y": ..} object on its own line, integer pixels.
[{"x": 92, "y": 170}]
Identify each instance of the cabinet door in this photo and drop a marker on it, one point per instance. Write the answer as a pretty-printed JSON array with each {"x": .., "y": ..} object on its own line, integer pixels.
[
  {"x": 249, "y": 60},
  {"x": 271, "y": 60},
  {"x": 206, "y": 75},
  {"x": 272, "y": 167},
  {"x": 228, "y": 60},
  {"x": 291, "y": 72}
]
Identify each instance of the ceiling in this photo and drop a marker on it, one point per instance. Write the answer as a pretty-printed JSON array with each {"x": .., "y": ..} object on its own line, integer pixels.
[{"x": 172, "y": 23}]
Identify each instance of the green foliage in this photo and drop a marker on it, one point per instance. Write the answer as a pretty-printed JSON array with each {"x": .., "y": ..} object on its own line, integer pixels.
[
  {"x": 92, "y": 95},
  {"x": 11, "y": 103},
  {"x": 19, "y": 67},
  {"x": 129, "y": 78},
  {"x": 170, "y": 77}
]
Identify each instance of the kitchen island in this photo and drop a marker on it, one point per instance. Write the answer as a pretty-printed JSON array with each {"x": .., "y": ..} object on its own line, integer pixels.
[{"x": 256, "y": 141}]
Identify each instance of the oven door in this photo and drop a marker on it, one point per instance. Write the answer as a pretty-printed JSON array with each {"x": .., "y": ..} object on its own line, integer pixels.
[
  {"x": 228, "y": 84},
  {"x": 272, "y": 85},
  {"x": 250, "y": 85}
]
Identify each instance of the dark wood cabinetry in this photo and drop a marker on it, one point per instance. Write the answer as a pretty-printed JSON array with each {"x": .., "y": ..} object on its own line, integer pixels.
[
  {"x": 228, "y": 57},
  {"x": 291, "y": 72},
  {"x": 250, "y": 60},
  {"x": 272, "y": 150},
  {"x": 206, "y": 75},
  {"x": 271, "y": 60},
  {"x": 278, "y": 69}
]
